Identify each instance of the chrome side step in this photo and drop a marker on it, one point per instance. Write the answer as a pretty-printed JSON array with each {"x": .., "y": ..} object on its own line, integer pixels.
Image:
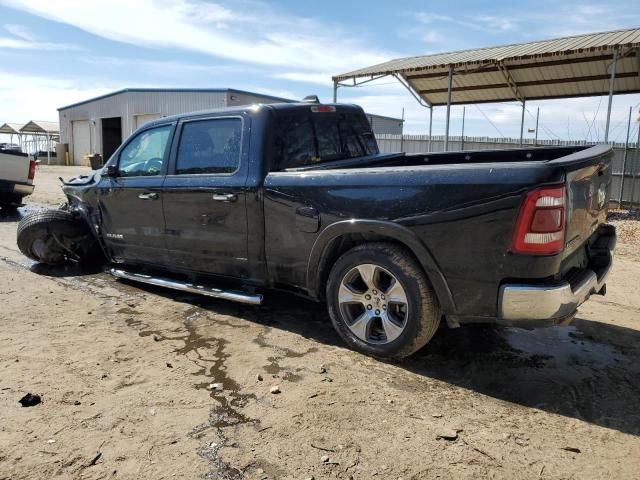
[{"x": 231, "y": 295}]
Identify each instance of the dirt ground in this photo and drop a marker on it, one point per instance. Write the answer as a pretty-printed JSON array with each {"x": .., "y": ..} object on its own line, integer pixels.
[{"x": 124, "y": 373}]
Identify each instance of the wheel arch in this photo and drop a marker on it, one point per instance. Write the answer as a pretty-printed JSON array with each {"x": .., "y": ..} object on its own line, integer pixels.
[{"x": 341, "y": 236}]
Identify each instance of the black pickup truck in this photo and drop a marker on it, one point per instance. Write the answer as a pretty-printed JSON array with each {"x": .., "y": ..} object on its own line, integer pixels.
[{"x": 233, "y": 202}]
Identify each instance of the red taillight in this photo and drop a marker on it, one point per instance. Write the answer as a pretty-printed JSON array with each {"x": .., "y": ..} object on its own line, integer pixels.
[
  {"x": 32, "y": 169},
  {"x": 540, "y": 225}
]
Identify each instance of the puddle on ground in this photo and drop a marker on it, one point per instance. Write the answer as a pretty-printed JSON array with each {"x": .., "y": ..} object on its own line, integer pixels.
[
  {"x": 273, "y": 367},
  {"x": 209, "y": 354}
]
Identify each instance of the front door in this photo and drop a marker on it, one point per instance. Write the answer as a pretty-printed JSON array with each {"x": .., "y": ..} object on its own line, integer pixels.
[
  {"x": 205, "y": 198},
  {"x": 131, "y": 202}
]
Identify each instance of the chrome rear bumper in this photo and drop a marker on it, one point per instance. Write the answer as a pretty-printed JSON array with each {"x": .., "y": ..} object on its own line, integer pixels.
[{"x": 534, "y": 305}]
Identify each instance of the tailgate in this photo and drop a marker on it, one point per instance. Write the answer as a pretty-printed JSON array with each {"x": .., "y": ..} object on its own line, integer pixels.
[
  {"x": 14, "y": 168},
  {"x": 588, "y": 179}
]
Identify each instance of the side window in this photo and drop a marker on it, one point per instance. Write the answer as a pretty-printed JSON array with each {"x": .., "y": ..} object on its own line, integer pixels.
[
  {"x": 209, "y": 146},
  {"x": 144, "y": 155}
]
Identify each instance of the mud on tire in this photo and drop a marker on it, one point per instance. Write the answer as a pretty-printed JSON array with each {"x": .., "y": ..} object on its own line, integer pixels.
[
  {"x": 420, "y": 317},
  {"x": 55, "y": 237}
]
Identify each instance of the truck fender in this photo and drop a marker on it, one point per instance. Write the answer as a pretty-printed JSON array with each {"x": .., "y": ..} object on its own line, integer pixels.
[{"x": 393, "y": 231}]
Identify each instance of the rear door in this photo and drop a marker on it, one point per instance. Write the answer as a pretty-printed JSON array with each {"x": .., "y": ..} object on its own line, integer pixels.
[
  {"x": 205, "y": 196},
  {"x": 131, "y": 202}
]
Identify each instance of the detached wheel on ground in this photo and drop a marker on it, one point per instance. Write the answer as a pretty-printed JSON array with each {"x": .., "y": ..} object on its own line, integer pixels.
[
  {"x": 55, "y": 237},
  {"x": 380, "y": 301}
]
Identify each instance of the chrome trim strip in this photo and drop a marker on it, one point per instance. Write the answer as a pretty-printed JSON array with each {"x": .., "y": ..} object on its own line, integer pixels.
[
  {"x": 522, "y": 303},
  {"x": 231, "y": 295}
]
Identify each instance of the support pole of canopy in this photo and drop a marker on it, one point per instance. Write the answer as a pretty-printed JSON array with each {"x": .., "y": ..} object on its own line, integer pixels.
[
  {"x": 462, "y": 134},
  {"x": 446, "y": 128},
  {"x": 635, "y": 170},
  {"x": 624, "y": 159},
  {"x": 612, "y": 80},
  {"x": 402, "y": 132},
  {"x": 335, "y": 91},
  {"x": 535, "y": 143},
  {"x": 430, "y": 125},
  {"x": 522, "y": 121}
]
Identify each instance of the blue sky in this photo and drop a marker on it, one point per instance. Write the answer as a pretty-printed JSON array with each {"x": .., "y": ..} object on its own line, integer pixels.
[{"x": 54, "y": 53}]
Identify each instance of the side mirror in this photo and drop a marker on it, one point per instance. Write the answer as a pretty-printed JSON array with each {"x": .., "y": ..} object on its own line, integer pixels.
[{"x": 110, "y": 171}]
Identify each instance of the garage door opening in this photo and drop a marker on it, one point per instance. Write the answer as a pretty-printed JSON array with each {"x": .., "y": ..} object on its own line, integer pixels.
[
  {"x": 143, "y": 118},
  {"x": 81, "y": 136},
  {"x": 111, "y": 136}
]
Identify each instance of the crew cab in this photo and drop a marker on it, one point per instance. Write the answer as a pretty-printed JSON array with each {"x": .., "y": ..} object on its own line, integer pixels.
[
  {"x": 17, "y": 171},
  {"x": 233, "y": 202}
]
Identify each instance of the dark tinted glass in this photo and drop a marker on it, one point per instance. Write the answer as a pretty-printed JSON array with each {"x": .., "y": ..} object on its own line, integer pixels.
[
  {"x": 356, "y": 133},
  {"x": 329, "y": 142},
  {"x": 209, "y": 146},
  {"x": 304, "y": 138},
  {"x": 295, "y": 143}
]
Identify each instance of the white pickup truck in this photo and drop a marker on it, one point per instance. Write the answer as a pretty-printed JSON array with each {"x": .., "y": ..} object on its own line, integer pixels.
[{"x": 17, "y": 171}]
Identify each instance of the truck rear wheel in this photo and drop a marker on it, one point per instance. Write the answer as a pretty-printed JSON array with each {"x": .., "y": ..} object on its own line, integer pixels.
[
  {"x": 55, "y": 237},
  {"x": 380, "y": 301}
]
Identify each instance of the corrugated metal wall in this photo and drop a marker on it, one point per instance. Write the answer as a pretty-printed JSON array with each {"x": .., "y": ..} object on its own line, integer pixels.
[
  {"x": 385, "y": 125},
  {"x": 128, "y": 104},
  {"x": 420, "y": 144}
]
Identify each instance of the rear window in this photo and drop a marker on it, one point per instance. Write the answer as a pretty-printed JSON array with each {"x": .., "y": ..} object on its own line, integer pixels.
[{"x": 304, "y": 138}]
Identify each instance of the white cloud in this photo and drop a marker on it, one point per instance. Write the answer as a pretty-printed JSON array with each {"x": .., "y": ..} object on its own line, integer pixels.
[
  {"x": 323, "y": 79},
  {"x": 162, "y": 68},
  {"x": 264, "y": 37},
  {"x": 20, "y": 31},
  {"x": 27, "y": 40},
  {"x": 433, "y": 36},
  {"x": 484, "y": 23},
  {"x": 18, "y": 44},
  {"x": 25, "y": 97},
  {"x": 549, "y": 19}
]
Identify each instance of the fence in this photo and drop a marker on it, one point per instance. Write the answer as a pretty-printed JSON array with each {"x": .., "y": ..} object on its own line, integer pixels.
[{"x": 420, "y": 143}]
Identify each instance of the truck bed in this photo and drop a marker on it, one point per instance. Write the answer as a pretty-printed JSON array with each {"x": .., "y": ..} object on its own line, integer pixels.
[
  {"x": 461, "y": 205},
  {"x": 14, "y": 167},
  {"x": 510, "y": 155}
]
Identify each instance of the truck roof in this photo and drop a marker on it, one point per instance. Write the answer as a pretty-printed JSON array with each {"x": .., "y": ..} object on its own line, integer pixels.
[{"x": 256, "y": 107}]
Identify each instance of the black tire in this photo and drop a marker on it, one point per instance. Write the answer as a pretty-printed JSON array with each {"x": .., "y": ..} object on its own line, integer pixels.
[
  {"x": 55, "y": 237},
  {"x": 421, "y": 317}
]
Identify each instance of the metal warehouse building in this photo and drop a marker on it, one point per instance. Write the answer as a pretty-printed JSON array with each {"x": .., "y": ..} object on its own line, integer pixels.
[{"x": 99, "y": 125}]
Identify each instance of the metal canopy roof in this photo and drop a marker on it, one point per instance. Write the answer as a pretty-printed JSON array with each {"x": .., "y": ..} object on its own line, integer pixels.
[
  {"x": 41, "y": 127},
  {"x": 576, "y": 66},
  {"x": 11, "y": 128}
]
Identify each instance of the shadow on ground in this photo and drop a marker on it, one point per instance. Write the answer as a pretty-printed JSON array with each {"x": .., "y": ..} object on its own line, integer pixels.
[
  {"x": 587, "y": 370},
  {"x": 10, "y": 216}
]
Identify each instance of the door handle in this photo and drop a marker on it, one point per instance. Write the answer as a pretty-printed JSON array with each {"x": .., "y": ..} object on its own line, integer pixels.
[
  {"x": 148, "y": 196},
  {"x": 225, "y": 197}
]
